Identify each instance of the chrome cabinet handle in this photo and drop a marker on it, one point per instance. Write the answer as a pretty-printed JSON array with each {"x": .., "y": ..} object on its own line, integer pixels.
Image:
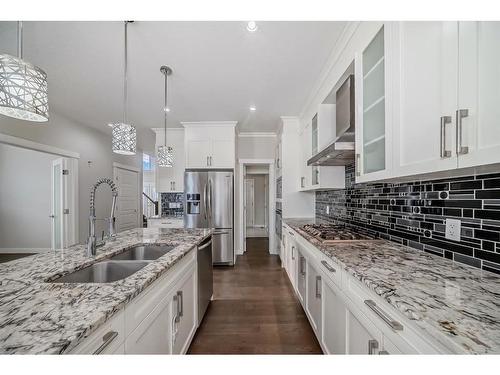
[
  {"x": 443, "y": 153},
  {"x": 291, "y": 233},
  {"x": 107, "y": 339},
  {"x": 180, "y": 304},
  {"x": 173, "y": 182},
  {"x": 372, "y": 346},
  {"x": 358, "y": 162},
  {"x": 302, "y": 266},
  {"x": 177, "y": 318},
  {"x": 208, "y": 161},
  {"x": 460, "y": 114},
  {"x": 327, "y": 266},
  {"x": 318, "y": 283},
  {"x": 293, "y": 256},
  {"x": 395, "y": 325}
]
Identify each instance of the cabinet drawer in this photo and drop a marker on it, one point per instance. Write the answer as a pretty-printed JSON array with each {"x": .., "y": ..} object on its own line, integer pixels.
[
  {"x": 144, "y": 303},
  {"x": 108, "y": 339},
  {"x": 331, "y": 269}
]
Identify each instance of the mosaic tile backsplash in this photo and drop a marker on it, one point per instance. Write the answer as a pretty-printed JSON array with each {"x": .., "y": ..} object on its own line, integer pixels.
[
  {"x": 172, "y": 204},
  {"x": 414, "y": 214}
]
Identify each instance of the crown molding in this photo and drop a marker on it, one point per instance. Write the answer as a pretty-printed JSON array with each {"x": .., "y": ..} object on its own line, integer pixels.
[
  {"x": 210, "y": 123},
  {"x": 257, "y": 135}
]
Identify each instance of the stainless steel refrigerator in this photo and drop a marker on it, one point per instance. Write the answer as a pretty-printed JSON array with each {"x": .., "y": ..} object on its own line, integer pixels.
[{"x": 209, "y": 203}]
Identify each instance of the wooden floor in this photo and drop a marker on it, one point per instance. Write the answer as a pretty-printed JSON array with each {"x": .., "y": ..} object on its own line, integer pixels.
[{"x": 254, "y": 310}]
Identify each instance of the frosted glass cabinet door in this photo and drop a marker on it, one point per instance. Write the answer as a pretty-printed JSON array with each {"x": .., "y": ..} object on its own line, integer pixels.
[
  {"x": 479, "y": 93},
  {"x": 373, "y": 70}
]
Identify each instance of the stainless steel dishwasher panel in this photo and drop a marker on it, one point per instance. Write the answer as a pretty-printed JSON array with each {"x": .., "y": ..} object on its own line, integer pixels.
[{"x": 205, "y": 277}]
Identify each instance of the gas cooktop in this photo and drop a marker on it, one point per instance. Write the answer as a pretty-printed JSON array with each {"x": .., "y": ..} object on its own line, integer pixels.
[{"x": 333, "y": 233}]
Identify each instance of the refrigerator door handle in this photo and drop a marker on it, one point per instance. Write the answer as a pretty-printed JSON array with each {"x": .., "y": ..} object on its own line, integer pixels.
[
  {"x": 210, "y": 201},
  {"x": 205, "y": 200}
]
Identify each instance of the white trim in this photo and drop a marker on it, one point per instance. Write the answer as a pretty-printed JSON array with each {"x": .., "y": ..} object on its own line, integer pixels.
[
  {"x": 127, "y": 167},
  {"x": 209, "y": 123},
  {"x": 30, "y": 145},
  {"x": 271, "y": 206},
  {"x": 23, "y": 250},
  {"x": 161, "y": 130},
  {"x": 257, "y": 135}
]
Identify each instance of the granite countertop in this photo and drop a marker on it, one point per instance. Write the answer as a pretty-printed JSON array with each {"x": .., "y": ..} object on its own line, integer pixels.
[
  {"x": 458, "y": 305},
  {"x": 37, "y": 317}
]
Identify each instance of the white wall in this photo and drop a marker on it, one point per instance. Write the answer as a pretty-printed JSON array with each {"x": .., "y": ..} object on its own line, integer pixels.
[
  {"x": 93, "y": 146},
  {"x": 260, "y": 196},
  {"x": 25, "y": 198}
]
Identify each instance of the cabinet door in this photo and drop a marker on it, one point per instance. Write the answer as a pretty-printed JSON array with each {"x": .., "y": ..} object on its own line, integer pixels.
[
  {"x": 479, "y": 93},
  {"x": 334, "y": 319},
  {"x": 313, "y": 297},
  {"x": 292, "y": 262},
  {"x": 197, "y": 153},
  {"x": 362, "y": 336},
  {"x": 154, "y": 334},
  {"x": 164, "y": 178},
  {"x": 222, "y": 153},
  {"x": 373, "y": 112},
  {"x": 301, "y": 277},
  {"x": 425, "y": 71},
  {"x": 185, "y": 306}
]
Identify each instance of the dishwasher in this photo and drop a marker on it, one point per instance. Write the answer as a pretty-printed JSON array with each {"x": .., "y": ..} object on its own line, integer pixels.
[{"x": 205, "y": 277}]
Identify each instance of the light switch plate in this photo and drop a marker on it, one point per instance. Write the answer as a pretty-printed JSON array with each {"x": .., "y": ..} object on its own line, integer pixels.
[{"x": 453, "y": 229}]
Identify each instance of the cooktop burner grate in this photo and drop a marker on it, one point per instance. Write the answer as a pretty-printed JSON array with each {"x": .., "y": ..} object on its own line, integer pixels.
[{"x": 336, "y": 233}]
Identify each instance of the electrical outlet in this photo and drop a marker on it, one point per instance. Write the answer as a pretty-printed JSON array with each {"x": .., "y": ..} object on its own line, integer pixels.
[
  {"x": 328, "y": 210},
  {"x": 453, "y": 228}
]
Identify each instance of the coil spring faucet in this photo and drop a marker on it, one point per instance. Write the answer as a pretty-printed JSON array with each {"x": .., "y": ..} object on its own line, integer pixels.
[{"x": 92, "y": 242}]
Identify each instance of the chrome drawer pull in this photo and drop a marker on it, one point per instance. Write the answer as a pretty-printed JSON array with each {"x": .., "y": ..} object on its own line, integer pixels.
[
  {"x": 180, "y": 304},
  {"x": 372, "y": 346},
  {"x": 460, "y": 114},
  {"x": 107, "y": 339},
  {"x": 328, "y": 267},
  {"x": 443, "y": 153},
  {"x": 318, "y": 284},
  {"x": 387, "y": 319}
]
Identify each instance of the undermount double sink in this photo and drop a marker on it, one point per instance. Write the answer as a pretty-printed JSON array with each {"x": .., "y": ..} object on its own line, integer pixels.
[{"x": 117, "y": 267}]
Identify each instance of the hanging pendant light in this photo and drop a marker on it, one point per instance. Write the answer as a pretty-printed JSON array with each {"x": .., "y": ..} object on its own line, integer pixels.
[
  {"x": 165, "y": 157},
  {"x": 124, "y": 135},
  {"x": 23, "y": 86}
]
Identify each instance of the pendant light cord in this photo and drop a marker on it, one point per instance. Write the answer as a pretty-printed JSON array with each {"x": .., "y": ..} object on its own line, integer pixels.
[
  {"x": 165, "y": 107},
  {"x": 20, "y": 39},
  {"x": 125, "y": 78}
]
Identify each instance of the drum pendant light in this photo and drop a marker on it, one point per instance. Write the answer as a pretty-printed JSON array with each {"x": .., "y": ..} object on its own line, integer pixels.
[
  {"x": 165, "y": 157},
  {"x": 23, "y": 86},
  {"x": 124, "y": 140}
]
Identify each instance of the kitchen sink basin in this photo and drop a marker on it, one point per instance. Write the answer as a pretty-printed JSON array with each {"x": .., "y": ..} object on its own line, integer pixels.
[
  {"x": 150, "y": 252},
  {"x": 103, "y": 272}
]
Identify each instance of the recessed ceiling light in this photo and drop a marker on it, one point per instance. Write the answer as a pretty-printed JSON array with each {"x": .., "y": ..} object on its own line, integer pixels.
[
  {"x": 252, "y": 26},
  {"x": 252, "y": 108}
]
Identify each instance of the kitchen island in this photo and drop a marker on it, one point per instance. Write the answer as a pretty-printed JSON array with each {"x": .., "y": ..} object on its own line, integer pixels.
[
  {"x": 40, "y": 317},
  {"x": 452, "y": 307}
]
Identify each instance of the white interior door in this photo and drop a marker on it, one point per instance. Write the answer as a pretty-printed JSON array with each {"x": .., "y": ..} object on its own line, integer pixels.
[
  {"x": 127, "y": 208},
  {"x": 64, "y": 211},
  {"x": 250, "y": 203}
]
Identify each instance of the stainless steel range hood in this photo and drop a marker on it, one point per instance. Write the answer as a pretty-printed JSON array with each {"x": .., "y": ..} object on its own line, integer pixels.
[{"x": 341, "y": 151}]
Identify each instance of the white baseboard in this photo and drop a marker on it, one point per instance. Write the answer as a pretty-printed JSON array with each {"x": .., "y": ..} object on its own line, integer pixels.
[{"x": 22, "y": 250}]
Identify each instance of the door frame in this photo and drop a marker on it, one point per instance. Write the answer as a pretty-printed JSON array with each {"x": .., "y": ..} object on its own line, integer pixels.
[
  {"x": 131, "y": 168},
  {"x": 249, "y": 183},
  {"x": 271, "y": 206}
]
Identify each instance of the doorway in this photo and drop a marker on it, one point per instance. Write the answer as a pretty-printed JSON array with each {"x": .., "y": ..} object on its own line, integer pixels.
[
  {"x": 127, "y": 206},
  {"x": 256, "y": 202}
]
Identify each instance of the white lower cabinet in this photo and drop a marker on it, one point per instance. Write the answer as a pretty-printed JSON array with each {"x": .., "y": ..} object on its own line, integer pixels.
[
  {"x": 313, "y": 297},
  {"x": 362, "y": 336},
  {"x": 301, "y": 276},
  {"x": 334, "y": 312},
  {"x": 161, "y": 320}
]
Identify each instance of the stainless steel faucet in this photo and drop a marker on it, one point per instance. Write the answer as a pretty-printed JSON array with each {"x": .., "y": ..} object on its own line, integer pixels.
[{"x": 92, "y": 242}]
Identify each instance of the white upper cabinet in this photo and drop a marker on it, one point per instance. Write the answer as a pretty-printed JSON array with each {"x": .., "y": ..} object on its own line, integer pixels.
[
  {"x": 373, "y": 108},
  {"x": 210, "y": 145},
  {"x": 171, "y": 179},
  {"x": 478, "y": 115},
  {"x": 426, "y": 72}
]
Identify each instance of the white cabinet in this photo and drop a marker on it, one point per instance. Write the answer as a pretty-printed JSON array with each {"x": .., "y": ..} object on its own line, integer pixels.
[
  {"x": 362, "y": 336},
  {"x": 479, "y": 94},
  {"x": 374, "y": 108},
  {"x": 171, "y": 179},
  {"x": 424, "y": 131},
  {"x": 185, "y": 318},
  {"x": 301, "y": 276},
  {"x": 313, "y": 297},
  {"x": 210, "y": 144},
  {"x": 333, "y": 334},
  {"x": 291, "y": 256}
]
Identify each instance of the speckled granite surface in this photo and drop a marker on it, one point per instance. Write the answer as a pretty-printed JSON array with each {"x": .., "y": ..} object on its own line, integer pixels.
[
  {"x": 37, "y": 317},
  {"x": 458, "y": 305}
]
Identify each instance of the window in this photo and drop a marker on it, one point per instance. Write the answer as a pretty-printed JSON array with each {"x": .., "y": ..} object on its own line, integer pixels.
[{"x": 147, "y": 163}]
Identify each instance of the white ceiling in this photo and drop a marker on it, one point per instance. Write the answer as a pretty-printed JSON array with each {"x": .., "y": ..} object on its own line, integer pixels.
[{"x": 220, "y": 69}]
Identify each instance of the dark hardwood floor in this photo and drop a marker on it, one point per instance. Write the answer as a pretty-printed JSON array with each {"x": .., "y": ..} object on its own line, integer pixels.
[{"x": 254, "y": 310}]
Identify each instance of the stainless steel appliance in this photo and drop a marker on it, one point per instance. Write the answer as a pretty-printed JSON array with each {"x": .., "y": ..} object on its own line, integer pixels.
[
  {"x": 341, "y": 150},
  {"x": 209, "y": 203},
  {"x": 205, "y": 277},
  {"x": 335, "y": 233}
]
